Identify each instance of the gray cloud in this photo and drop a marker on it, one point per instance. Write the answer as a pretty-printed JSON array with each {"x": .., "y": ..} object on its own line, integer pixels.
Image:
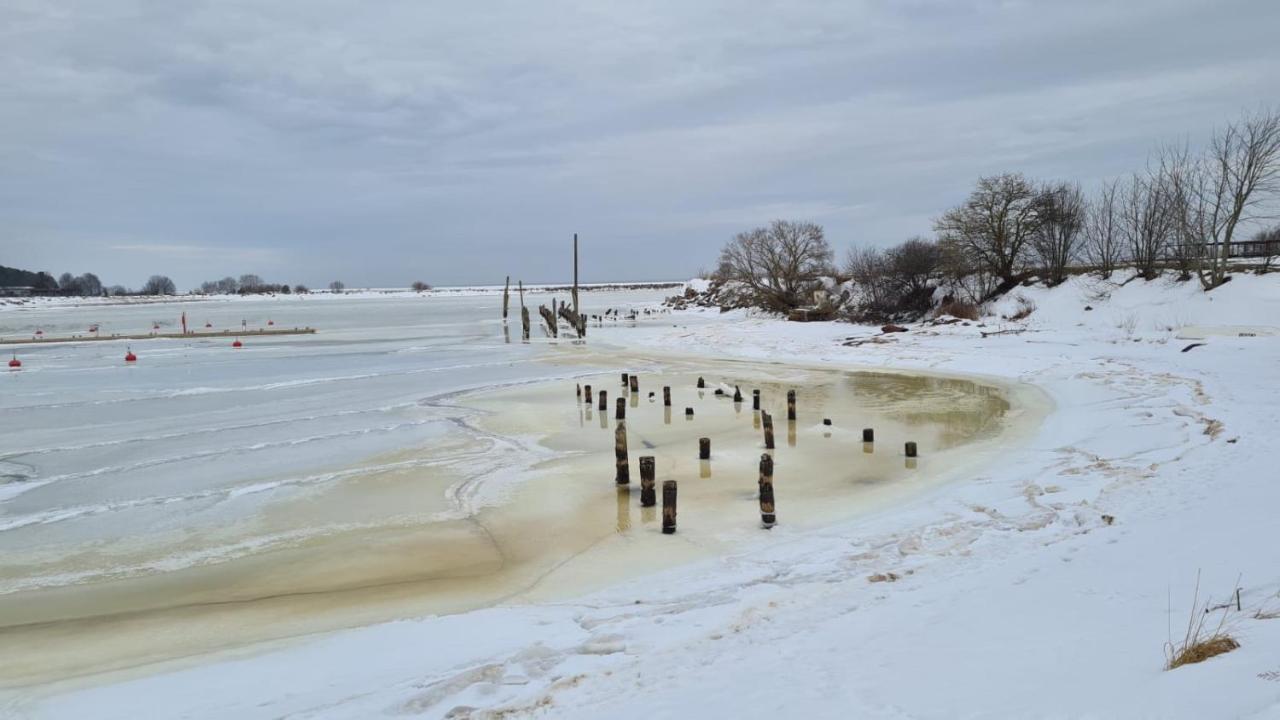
[{"x": 307, "y": 140}]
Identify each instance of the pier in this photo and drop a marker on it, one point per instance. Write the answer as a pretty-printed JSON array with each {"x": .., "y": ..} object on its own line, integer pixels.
[{"x": 159, "y": 335}]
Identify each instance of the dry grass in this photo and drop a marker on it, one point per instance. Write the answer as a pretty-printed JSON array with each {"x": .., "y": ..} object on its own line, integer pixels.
[
  {"x": 1026, "y": 306},
  {"x": 962, "y": 310},
  {"x": 1202, "y": 640}
]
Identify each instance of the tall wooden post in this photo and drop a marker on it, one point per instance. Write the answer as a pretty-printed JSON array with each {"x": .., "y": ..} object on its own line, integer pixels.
[
  {"x": 506, "y": 297},
  {"x": 755, "y": 399},
  {"x": 524, "y": 312},
  {"x": 791, "y": 404},
  {"x": 768, "y": 430},
  {"x": 767, "y": 515},
  {"x": 704, "y": 448},
  {"x": 604, "y": 400},
  {"x": 620, "y": 454},
  {"x": 666, "y": 396},
  {"x": 647, "y": 496},
  {"x": 621, "y": 412},
  {"x": 668, "y": 507},
  {"x": 625, "y": 383},
  {"x": 635, "y": 383},
  {"x": 586, "y": 395}
]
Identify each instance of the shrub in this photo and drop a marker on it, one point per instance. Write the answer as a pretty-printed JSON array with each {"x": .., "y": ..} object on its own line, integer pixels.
[{"x": 959, "y": 309}]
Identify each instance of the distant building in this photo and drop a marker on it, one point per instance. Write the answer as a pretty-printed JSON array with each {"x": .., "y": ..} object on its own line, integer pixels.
[{"x": 17, "y": 291}]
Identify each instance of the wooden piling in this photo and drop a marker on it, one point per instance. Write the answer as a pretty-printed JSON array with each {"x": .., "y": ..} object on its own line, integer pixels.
[
  {"x": 737, "y": 394},
  {"x": 624, "y": 380},
  {"x": 586, "y": 394},
  {"x": 911, "y": 449},
  {"x": 647, "y": 496},
  {"x": 635, "y": 383},
  {"x": 604, "y": 400},
  {"x": 666, "y": 396},
  {"x": 701, "y": 383},
  {"x": 755, "y": 399},
  {"x": 688, "y": 412},
  {"x": 620, "y": 454},
  {"x": 621, "y": 412},
  {"x": 668, "y": 507},
  {"x": 868, "y": 435},
  {"x": 704, "y": 448},
  {"x": 768, "y": 430},
  {"x": 524, "y": 312},
  {"x": 767, "y": 515},
  {"x": 578, "y": 386},
  {"x": 549, "y": 318},
  {"x": 791, "y": 404},
  {"x": 506, "y": 297}
]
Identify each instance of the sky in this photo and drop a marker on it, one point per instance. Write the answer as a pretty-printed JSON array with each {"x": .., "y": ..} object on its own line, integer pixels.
[{"x": 455, "y": 143}]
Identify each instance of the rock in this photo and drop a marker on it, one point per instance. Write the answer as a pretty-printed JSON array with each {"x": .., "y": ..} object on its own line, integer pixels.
[{"x": 891, "y": 328}]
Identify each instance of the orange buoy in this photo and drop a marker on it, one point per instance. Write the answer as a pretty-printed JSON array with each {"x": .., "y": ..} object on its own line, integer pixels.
[
  {"x": 129, "y": 356},
  {"x": 15, "y": 363},
  {"x": 237, "y": 344}
]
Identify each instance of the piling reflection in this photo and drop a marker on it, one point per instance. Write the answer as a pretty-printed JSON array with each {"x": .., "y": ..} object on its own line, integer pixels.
[
  {"x": 666, "y": 416},
  {"x": 704, "y": 468},
  {"x": 868, "y": 448},
  {"x": 791, "y": 433},
  {"x": 910, "y": 463},
  {"x": 624, "y": 509}
]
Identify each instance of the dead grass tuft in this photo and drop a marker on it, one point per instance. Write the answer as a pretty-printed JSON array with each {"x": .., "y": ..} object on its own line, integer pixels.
[
  {"x": 1203, "y": 650},
  {"x": 1201, "y": 640},
  {"x": 962, "y": 310}
]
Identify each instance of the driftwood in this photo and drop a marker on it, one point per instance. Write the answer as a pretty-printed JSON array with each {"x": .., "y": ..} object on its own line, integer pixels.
[
  {"x": 1193, "y": 346},
  {"x": 1011, "y": 331},
  {"x": 550, "y": 319}
]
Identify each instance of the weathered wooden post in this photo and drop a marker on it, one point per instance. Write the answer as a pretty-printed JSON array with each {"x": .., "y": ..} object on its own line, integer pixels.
[
  {"x": 647, "y": 496},
  {"x": 868, "y": 435},
  {"x": 578, "y": 387},
  {"x": 688, "y": 413},
  {"x": 767, "y": 515},
  {"x": 768, "y": 430},
  {"x": 701, "y": 383},
  {"x": 506, "y": 297},
  {"x": 620, "y": 454},
  {"x": 666, "y": 396},
  {"x": 791, "y": 404},
  {"x": 737, "y": 394},
  {"x": 668, "y": 507},
  {"x": 586, "y": 394},
  {"x": 911, "y": 449},
  {"x": 635, "y": 383},
  {"x": 624, "y": 380},
  {"x": 704, "y": 448},
  {"x": 755, "y": 399},
  {"x": 621, "y": 412},
  {"x": 524, "y": 313},
  {"x": 549, "y": 318},
  {"x": 604, "y": 400}
]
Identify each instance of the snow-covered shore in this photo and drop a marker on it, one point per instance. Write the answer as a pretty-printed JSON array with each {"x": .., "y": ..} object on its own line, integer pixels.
[{"x": 1003, "y": 595}]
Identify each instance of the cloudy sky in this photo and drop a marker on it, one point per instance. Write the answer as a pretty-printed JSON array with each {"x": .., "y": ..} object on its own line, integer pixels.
[{"x": 384, "y": 142}]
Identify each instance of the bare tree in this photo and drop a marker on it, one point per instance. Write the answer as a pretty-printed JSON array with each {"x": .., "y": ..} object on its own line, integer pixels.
[
  {"x": 1056, "y": 242},
  {"x": 1226, "y": 189},
  {"x": 994, "y": 226},
  {"x": 419, "y": 286},
  {"x": 1103, "y": 244},
  {"x": 159, "y": 285},
  {"x": 1146, "y": 221},
  {"x": 778, "y": 266},
  {"x": 894, "y": 281},
  {"x": 337, "y": 286}
]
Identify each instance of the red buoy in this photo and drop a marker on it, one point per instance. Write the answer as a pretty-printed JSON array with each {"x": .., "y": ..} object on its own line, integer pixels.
[
  {"x": 129, "y": 356},
  {"x": 271, "y": 322},
  {"x": 15, "y": 363},
  {"x": 208, "y": 324},
  {"x": 237, "y": 344},
  {"x": 39, "y": 331}
]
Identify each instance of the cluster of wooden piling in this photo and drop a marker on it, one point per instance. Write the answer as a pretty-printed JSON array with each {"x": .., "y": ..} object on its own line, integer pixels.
[
  {"x": 550, "y": 316},
  {"x": 648, "y": 490}
]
